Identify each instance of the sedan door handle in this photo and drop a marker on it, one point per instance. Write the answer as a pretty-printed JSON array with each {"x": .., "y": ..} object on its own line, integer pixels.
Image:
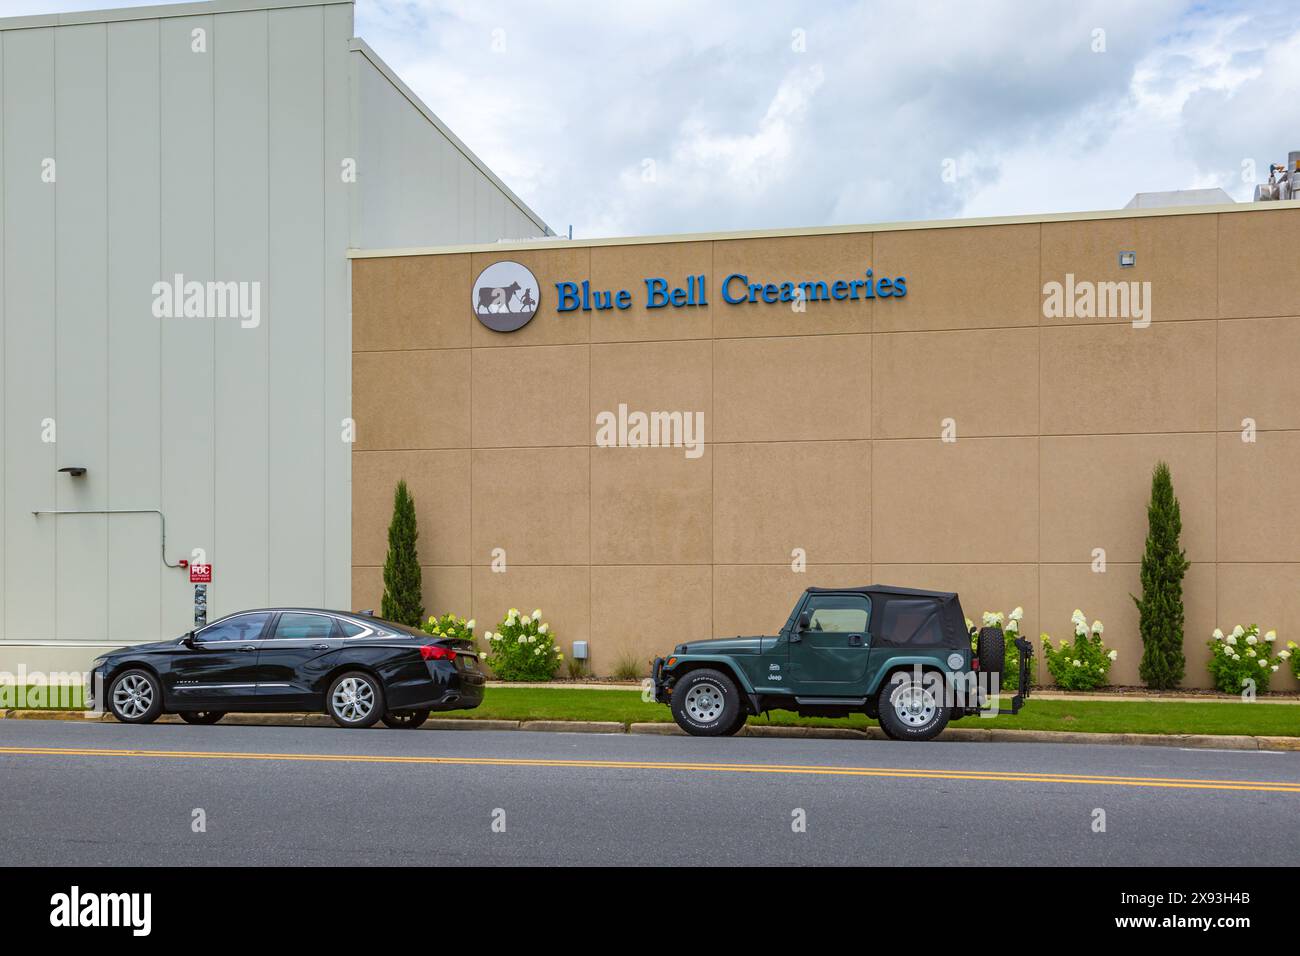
[
  {"x": 248, "y": 647},
  {"x": 320, "y": 647}
]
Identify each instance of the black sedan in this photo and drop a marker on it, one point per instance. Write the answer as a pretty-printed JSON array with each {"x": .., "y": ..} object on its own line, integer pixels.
[{"x": 357, "y": 668}]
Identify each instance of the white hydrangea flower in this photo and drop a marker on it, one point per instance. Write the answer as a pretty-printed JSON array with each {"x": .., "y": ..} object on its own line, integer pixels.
[
  {"x": 1252, "y": 640},
  {"x": 522, "y": 639},
  {"x": 1018, "y": 613},
  {"x": 1113, "y": 655},
  {"x": 1076, "y": 662},
  {"x": 537, "y": 614},
  {"x": 1284, "y": 655},
  {"x": 1096, "y": 627},
  {"x": 1218, "y": 634},
  {"x": 1077, "y": 617},
  {"x": 1250, "y": 652},
  {"x": 470, "y": 623},
  {"x": 1263, "y": 663},
  {"x": 1274, "y": 668},
  {"x": 1238, "y": 631},
  {"x": 482, "y": 655},
  {"x": 545, "y": 628},
  {"x": 1271, "y": 636},
  {"x": 1232, "y": 640}
]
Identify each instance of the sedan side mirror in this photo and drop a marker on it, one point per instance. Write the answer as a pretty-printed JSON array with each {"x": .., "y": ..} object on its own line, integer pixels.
[
  {"x": 796, "y": 635},
  {"x": 188, "y": 640},
  {"x": 805, "y": 622}
]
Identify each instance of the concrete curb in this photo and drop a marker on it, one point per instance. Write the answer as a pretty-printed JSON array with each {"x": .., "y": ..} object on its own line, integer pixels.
[
  {"x": 449, "y": 723},
  {"x": 664, "y": 728},
  {"x": 1040, "y": 693},
  {"x": 572, "y": 726}
]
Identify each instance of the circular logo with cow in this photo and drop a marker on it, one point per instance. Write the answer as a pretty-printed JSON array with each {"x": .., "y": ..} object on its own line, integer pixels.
[{"x": 506, "y": 296}]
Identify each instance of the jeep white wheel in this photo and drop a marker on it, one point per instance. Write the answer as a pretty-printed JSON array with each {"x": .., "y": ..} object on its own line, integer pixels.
[
  {"x": 914, "y": 705},
  {"x": 704, "y": 702},
  {"x": 911, "y": 706}
]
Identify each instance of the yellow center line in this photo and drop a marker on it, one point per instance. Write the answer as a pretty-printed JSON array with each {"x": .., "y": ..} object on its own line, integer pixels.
[{"x": 996, "y": 776}]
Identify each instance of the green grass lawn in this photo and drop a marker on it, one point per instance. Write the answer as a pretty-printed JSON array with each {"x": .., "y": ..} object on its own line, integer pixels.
[
  {"x": 1135, "y": 717},
  {"x": 1132, "y": 717}
]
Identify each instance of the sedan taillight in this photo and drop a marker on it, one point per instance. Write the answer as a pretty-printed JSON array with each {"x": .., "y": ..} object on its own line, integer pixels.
[{"x": 432, "y": 652}]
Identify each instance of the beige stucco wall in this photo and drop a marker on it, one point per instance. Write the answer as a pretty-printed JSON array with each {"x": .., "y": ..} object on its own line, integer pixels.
[{"x": 823, "y": 431}]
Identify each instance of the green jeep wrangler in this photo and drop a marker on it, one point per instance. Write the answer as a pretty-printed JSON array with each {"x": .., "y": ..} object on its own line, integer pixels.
[{"x": 897, "y": 654}]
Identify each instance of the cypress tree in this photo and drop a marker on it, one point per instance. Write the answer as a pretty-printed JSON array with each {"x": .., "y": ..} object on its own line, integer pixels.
[
  {"x": 1160, "y": 609},
  {"x": 403, "y": 601}
]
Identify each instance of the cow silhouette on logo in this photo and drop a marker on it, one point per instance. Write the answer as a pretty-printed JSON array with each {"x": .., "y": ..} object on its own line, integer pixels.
[
  {"x": 505, "y": 296},
  {"x": 501, "y": 297}
]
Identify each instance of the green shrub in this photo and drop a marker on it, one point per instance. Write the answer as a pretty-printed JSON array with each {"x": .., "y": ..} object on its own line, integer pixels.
[
  {"x": 523, "y": 649},
  {"x": 1243, "y": 656},
  {"x": 1160, "y": 609},
  {"x": 1083, "y": 664},
  {"x": 1290, "y": 653},
  {"x": 1010, "y": 625},
  {"x": 402, "y": 601},
  {"x": 628, "y": 667}
]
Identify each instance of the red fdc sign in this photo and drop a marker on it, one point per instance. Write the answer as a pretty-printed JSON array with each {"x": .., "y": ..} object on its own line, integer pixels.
[{"x": 200, "y": 574}]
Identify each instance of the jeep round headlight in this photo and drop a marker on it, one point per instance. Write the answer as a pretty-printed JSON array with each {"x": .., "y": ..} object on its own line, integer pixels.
[{"x": 955, "y": 661}]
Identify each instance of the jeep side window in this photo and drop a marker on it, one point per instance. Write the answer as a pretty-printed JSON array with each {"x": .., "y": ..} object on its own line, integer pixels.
[
  {"x": 911, "y": 621},
  {"x": 841, "y": 613}
]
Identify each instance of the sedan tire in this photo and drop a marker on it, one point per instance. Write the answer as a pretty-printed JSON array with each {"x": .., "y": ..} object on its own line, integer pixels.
[
  {"x": 355, "y": 699},
  {"x": 135, "y": 697}
]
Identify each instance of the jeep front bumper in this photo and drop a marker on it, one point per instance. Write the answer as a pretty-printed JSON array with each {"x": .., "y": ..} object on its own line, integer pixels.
[{"x": 661, "y": 688}]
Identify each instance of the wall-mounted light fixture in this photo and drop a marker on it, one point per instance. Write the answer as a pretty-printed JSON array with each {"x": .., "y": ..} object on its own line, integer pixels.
[
  {"x": 76, "y": 471},
  {"x": 1127, "y": 258}
]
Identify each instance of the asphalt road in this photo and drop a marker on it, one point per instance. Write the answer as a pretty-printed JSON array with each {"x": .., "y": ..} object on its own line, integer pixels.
[{"x": 93, "y": 794}]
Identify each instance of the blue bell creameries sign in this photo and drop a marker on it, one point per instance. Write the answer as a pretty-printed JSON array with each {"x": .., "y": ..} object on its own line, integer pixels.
[
  {"x": 507, "y": 295},
  {"x": 735, "y": 289}
]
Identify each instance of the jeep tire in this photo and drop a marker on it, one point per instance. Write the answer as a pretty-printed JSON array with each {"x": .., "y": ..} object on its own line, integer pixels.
[
  {"x": 742, "y": 718},
  {"x": 912, "y": 709},
  {"x": 991, "y": 649},
  {"x": 705, "y": 703}
]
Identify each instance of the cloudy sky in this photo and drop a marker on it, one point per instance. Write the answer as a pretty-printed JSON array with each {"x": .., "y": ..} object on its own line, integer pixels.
[{"x": 664, "y": 116}]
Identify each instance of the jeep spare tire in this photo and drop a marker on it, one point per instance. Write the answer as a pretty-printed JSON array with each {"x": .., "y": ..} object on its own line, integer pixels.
[
  {"x": 912, "y": 708},
  {"x": 991, "y": 649},
  {"x": 705, "y": 703}
]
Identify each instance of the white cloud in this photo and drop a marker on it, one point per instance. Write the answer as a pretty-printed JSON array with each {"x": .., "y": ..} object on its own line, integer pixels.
[{"x": 745, "y": 131}]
